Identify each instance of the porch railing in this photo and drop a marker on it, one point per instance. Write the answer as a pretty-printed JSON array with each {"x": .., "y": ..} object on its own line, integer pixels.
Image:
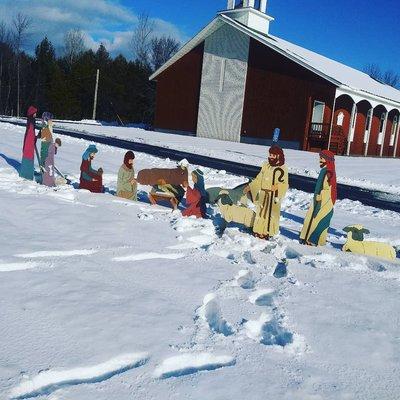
[{"x": 318, "y": 135}]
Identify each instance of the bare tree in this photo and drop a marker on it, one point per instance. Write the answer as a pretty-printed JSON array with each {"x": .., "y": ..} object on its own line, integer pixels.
[
  {"x": 21, "y": 24},
  {"x": 390, "y": 78},
  {"x": 162, "y": 49},
  {"x": 374, "y": 71},
  {"x": 74, "y": 45},
  {"x": 141, "y": 39}
]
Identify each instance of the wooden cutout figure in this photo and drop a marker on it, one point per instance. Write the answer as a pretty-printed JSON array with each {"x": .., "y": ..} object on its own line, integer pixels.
[
  {"x": 167, "y": 183},
  {"x": 267, "y": 191},
  {"x": 90, "y": 179},
  {"x": 127, "y": 185},
  {"x": 28, "y": 150},
  {"x": 196, "y": 198},
  {"x": 46, "y": 136},
  {"x": 356, "y": 244},
  {"x": 49, "y": 174},
  {"x": 318, "y": 218},
  {"x": 235, "y": 194}
]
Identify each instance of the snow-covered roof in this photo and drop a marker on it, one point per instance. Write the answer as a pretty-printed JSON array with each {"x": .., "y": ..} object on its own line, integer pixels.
[{"x": 341, "y": 75}]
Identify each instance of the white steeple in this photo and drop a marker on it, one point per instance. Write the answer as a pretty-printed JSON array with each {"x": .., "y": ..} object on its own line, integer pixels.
[{"x": 252, "y": 13}]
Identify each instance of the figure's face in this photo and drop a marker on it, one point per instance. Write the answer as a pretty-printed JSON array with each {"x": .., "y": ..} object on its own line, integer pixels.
[
  {"x": 92, "y": 155},
  {"x": 322, "y": 162},
  {"x": 131, "y": 161},
  {"x": 34, "y": 115},
  {"x": 194, "y": 178},
  {"x": 273, "y": 158}
]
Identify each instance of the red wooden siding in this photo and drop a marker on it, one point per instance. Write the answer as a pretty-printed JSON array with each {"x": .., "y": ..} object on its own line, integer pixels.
[
  {"x": 178, "y": 91},
  {"x": 279, "y": 94}
]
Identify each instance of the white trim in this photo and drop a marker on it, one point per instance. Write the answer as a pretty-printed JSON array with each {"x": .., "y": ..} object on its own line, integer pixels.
[{"x": 375, "y": 101}]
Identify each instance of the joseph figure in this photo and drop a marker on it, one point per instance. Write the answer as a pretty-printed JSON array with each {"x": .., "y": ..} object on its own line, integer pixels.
[{"x": 266, "y": 192}]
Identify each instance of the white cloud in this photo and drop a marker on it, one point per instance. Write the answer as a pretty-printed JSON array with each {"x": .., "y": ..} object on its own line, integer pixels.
[{"x": 102, "y": 21}]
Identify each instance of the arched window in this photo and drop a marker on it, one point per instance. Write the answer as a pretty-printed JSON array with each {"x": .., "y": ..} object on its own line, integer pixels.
[
  {"x": 394, "y": 130},
  {"x": 340, "y": 119}
]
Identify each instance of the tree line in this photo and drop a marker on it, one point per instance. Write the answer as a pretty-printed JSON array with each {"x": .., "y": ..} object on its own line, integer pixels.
[{"x": 64, "y": 83}]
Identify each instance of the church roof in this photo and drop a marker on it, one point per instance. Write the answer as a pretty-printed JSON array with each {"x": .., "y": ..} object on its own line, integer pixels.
[{"x": 341, "y": 75}]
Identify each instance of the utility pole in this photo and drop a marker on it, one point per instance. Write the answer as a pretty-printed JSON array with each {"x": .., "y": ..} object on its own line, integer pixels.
[
  {"x": 95, "y": 94},
  {"x": 18, "y": 83}
]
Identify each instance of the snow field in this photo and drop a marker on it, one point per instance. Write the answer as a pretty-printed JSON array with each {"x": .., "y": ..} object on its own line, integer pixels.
[{"x": 104, "y": 284}]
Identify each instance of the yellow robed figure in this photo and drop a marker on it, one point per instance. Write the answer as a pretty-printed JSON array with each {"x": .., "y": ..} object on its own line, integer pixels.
[{"x": 267, "y": 191}]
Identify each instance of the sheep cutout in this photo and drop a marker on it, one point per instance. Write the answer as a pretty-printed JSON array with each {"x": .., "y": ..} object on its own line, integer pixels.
[{"x": 356, "y": 244}]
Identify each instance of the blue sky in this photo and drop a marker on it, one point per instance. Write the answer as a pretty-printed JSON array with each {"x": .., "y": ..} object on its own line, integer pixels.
[{"x": 356, "y": 32}]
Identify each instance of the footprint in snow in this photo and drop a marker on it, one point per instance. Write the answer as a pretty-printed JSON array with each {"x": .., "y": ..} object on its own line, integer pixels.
[
  {"x": 210, "y": 312},
  {"x": 245, "y": 279},
  {"x": 263, "y": 297},
  {"x": 267, "y": 330}
]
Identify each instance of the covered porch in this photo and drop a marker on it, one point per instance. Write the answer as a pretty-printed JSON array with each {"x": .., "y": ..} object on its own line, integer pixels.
[{"x": 360, "y": 125}]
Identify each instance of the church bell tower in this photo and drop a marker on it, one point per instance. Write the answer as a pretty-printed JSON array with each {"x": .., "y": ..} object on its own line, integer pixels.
[{"x": 251, "y": 13}]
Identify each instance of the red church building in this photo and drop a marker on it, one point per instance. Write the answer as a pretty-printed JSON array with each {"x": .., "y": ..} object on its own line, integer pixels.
[{"x": 235, "y": 81}]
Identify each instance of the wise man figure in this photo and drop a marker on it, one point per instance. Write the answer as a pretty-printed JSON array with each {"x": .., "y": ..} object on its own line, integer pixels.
[
  {"x": 318, "y": 218},
  {"x": 266, "y": 192}
]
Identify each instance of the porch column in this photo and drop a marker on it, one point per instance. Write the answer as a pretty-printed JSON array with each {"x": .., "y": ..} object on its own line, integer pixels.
[
  {"x": 368, "y": 132},
  {"x": 350, "y": 135},
  {"x": 396, "y": 141},
  {"x": 381, "y": 136}
]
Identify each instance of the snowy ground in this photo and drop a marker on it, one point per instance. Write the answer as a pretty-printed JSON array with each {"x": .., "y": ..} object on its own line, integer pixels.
[
  {"x": 107, "y": 299},
  {"x": 372, "y": 173}
]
